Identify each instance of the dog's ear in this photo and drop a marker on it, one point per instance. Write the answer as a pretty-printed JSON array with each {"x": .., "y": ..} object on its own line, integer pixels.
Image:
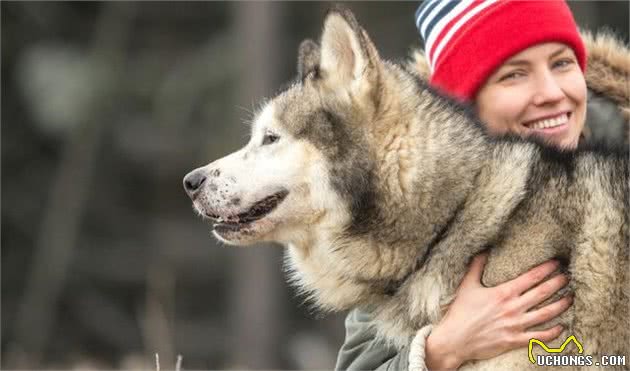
[
  {"x": 308, "y": 59},
  {"x": 349, "y": 59}
]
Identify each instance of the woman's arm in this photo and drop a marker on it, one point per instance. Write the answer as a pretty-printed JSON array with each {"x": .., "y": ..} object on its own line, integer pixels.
[
  {"x": 481, "y": 323},
  {"x": 362, "y": 350}
]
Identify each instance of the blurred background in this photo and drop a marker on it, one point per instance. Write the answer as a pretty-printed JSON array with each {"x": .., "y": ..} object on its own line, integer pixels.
[{"x": 105, "y": 107}]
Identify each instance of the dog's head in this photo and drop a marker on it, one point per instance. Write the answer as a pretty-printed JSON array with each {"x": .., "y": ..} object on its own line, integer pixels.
[{"x": 308, "y": 163}]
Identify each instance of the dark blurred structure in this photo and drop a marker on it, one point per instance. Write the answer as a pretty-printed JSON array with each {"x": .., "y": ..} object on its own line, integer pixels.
[{"x": 106, "y": 105}]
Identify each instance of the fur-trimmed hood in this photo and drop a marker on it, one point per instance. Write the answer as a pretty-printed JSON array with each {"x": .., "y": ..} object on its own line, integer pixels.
[
  {"x": 607, "y": 72},
  {"x": 608, "y": 69}
]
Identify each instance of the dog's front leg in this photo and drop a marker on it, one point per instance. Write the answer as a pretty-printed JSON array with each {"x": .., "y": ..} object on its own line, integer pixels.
[
  {"x": 476, "y": 223},
  {"x": 434, "y": 288},
  {"x": 480, "y": 219},
  {"x": 436, "y": 285}
]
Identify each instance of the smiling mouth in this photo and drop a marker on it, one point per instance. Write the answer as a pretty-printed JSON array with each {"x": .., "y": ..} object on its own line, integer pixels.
[
  {"x": 549, "y": 123},
  {"x": 258, "y": 211}
]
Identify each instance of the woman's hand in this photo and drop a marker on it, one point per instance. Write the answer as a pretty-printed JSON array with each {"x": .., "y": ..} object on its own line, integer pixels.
[{"x": 483, "y": 322}]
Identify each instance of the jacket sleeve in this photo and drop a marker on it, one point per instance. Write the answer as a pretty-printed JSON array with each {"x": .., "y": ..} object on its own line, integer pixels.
[{"x": 362, "y": 350}]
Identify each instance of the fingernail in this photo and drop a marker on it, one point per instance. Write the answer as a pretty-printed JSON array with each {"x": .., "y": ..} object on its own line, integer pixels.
[{"x": 570, "y": 299}]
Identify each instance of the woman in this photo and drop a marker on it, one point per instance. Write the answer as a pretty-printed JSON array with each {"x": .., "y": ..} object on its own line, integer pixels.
[{"x": 525, "y": 75}]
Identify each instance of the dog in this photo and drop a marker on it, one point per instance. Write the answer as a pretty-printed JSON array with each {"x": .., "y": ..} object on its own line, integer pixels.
[{"x": 382, "y": 190}]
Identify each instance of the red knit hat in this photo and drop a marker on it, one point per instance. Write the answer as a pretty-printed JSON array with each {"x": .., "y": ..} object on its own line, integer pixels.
[{"x": 466, "y": 41}]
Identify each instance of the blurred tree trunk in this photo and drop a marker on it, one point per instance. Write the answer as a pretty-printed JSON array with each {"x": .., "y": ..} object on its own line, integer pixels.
[
  {"x": 59, "y": 231},
  {"x": 257, "y": 291}
]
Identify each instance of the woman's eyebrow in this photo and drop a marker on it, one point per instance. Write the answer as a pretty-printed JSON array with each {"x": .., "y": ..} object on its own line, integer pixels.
[
  {"x": 561, "y": 50},
  {"x": 516, "y": 62}
]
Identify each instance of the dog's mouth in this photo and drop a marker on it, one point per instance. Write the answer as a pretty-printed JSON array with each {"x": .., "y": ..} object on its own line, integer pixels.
[{"x": 258, "y": 211}]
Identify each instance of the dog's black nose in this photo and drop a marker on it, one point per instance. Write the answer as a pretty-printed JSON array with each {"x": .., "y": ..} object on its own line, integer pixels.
[{"x": 193, "y": 181}]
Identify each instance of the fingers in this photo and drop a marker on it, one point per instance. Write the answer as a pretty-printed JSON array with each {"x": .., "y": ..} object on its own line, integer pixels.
[
  {"x": 542, "y": 292},
  {"x": 530, "y": 278},
  {"x": 543, "y": 335},
  {"x": 546, "y": 313},
  {"x": 473, "y": 276}
]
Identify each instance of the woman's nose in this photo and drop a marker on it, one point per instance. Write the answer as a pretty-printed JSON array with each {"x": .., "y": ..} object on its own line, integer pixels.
[{"x": 548, "y": 89}]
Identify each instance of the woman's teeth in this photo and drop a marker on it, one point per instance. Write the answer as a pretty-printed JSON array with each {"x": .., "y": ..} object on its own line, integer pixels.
[{"x": 550, "y": 123}]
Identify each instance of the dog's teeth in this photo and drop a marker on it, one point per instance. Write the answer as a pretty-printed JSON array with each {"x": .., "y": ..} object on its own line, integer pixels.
[{"x": 219, "y": 220}]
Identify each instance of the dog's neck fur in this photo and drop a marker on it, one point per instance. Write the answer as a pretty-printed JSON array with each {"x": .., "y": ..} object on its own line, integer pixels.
[
  {"x": 424, "y": 161},
  {"x": 431, "y": 157}
]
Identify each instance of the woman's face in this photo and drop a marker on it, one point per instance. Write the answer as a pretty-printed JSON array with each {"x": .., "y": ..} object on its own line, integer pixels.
[{"x": 540, "y": 91}]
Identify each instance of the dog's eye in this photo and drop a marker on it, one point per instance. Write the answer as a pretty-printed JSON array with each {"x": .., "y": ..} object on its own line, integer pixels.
[{"x": 270, "y": 138}]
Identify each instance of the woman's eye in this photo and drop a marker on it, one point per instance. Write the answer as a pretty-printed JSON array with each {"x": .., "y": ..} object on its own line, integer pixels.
[
  {"x": 562, "y": 63},
  {"x": 270, "y": 138},
  {"x": 511, "y": 76}
]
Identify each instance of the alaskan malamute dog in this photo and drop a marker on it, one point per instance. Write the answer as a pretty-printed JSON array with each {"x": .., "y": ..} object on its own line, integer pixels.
[{"x": 382, "y": 190}]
